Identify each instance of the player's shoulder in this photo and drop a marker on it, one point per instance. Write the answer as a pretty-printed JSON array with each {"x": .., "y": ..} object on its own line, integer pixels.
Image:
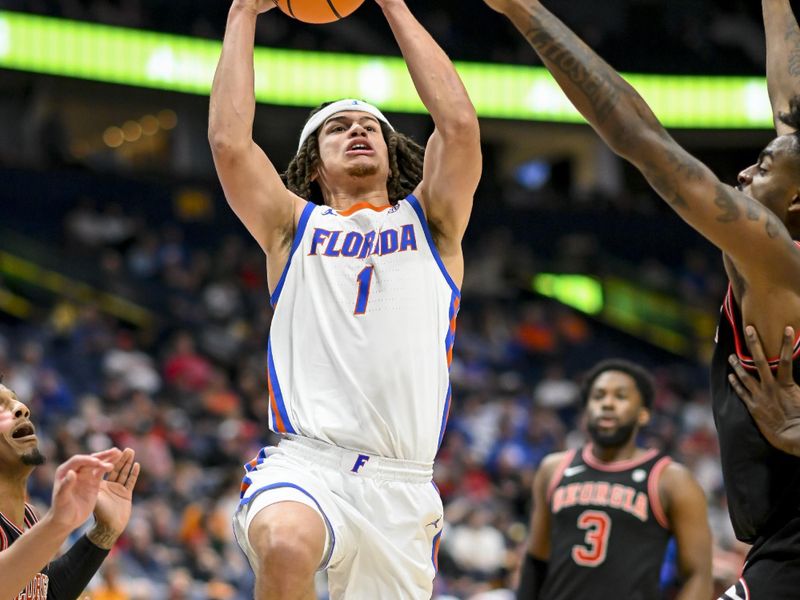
[
  {"x": 675, "y": 477},
  {"x": 552, "y": 461}
]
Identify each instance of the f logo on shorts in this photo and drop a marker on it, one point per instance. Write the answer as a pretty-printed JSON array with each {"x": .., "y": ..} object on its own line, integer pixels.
[{"x": 360, "y": 462}]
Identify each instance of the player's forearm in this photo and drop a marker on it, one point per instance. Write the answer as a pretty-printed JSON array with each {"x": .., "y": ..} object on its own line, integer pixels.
[
  {"x": 613, "y": 108},
  {"x": 783, "y": 52},
  {"x": 434, "y": 76},
  {"x": 697, "y": 587},
  {"x": 233, "y": 105},
  {"x": 71, "y": 573},
  {"x": 28, "y": 555}
]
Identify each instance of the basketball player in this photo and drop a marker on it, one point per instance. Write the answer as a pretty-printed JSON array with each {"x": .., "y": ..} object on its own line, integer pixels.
[
  {"x": 364, "y": 265},
  {"x": 773, "y": 401},
  {"x": 603, "y": 515},
  {"x": 753, "y": 224},
  {"x": 27, "y": 544}
]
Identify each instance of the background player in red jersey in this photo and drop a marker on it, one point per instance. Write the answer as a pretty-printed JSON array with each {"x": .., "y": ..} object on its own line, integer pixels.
[
  {"x": 597, "y": 507},
  {"x": 26, "y": 543}
]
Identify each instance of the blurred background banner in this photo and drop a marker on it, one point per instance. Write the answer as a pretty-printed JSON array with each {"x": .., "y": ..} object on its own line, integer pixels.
[{"x": 303, "y": 78}]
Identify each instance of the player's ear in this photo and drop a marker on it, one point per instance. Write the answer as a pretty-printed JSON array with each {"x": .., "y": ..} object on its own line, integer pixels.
[
  {"x": 794, "y": 206},
  {"x": 644, "y": 416}
]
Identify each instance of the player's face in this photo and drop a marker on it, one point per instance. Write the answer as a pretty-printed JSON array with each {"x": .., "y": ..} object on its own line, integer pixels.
[
  {"x": 352, "y": 143},
  {"x": 773, "y": 180},
  {"x": 18, "y": 445},
  {"x": 614, "y": 409}
]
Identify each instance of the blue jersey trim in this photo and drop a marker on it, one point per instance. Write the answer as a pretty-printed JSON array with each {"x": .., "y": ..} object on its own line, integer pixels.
[
  {"x": 298, "y": 237},
  {"x": 282, "y": 484},
  {"x": 276, "y": 390},
  {"x": 412, "y": 200}
]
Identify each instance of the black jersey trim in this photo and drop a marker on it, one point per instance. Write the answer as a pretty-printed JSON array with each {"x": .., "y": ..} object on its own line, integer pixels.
[
  {"x": 653, "y": 479},
  {"x": 30, "y": 516},
  {"x": 11, "y": 524},
  {"x": 3, "y": 540},
  {"x": 747, "y": 361},
  {"x": 559, "y": 473}
]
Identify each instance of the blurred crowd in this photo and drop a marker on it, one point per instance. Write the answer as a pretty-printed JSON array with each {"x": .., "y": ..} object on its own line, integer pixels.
[
  {"x": 188, "y": 393},
  {"x": 681, "y": 36}
]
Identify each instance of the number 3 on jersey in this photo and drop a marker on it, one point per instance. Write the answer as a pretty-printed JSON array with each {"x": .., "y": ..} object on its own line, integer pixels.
[
  {"x": 364, "y": 279},
  {"x": 597, "y": 525}
]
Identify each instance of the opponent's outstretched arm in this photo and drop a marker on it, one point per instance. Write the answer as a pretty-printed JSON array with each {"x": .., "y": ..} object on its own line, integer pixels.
[
  {"x": 740, "y": 226},
  {"x": 453, "y": 153},
  {"x": 783, "y": 58},
  {"x": 251, "y": 183},
  {"x": 75, "y": 490}
]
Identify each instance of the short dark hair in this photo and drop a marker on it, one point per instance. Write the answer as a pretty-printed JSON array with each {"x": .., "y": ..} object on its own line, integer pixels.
[{"x": 640, "y": 376}]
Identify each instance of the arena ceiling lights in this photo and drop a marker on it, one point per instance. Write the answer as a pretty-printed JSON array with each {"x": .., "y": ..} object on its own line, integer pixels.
[{"x": 299, "y": 78}]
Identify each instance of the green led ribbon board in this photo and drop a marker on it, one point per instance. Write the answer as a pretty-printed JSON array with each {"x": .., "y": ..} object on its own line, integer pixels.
[{"x": 298, "y": 78}]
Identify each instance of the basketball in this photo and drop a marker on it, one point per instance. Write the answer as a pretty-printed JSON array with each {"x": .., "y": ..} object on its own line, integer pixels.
[{"x": 318, "y": 11}]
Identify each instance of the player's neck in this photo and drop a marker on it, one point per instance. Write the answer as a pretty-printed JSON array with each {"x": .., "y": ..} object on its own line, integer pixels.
[
  {"x": 616, "y": 454},
  {"x": 12, "y": 497},
  {"x": 345, "y": 197}
]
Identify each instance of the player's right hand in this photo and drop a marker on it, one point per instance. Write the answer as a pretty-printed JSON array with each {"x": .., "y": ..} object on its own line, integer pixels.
[
  {"x": 256, "y": 6},
  {"x": 76, "y": 485}
]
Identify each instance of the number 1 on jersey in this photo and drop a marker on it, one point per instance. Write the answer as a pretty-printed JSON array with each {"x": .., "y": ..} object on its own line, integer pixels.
[{"x": 364, "y": 282}]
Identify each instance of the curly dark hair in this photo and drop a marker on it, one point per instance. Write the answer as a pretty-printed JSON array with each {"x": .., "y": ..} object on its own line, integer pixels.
[
  {"x": 643, "y": 380},
  {"x": 792, "y": 118},
  {"x": 405, "y": 165}
]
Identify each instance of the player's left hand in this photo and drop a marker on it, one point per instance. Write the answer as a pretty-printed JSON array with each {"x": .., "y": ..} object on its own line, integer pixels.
[
  {"x": 114, "y": 500},
  {"x": 773, "y": 401}
]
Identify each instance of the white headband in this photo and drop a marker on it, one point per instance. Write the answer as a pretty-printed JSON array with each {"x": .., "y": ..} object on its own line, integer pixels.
[{"x": 337, "y": 107}]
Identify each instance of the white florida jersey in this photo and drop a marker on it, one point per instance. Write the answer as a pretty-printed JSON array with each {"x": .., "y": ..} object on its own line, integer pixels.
[{"x": 361, "y": 341}]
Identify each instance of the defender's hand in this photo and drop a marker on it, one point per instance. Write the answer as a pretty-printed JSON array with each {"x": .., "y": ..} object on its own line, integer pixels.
[
  {"x": 114, "y": 499},
  {"x": 77, "y": 483},
  {"x": 773, "y": 402}
]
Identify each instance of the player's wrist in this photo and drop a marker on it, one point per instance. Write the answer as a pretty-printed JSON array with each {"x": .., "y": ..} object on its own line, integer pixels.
[
  {"x": 103, "y": 536},
  {"x": 55, "y": 525}
]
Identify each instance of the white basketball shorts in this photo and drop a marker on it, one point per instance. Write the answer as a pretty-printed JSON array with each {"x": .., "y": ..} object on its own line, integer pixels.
[{"x": 384, "y": 516}]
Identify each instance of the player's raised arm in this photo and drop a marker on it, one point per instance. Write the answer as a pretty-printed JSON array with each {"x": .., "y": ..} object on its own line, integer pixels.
[
  {"x": 783, "y": 58},
  {"x": 452, "y": 165},
  {"x": 251, "y": 183},
  {"x": 751, "y": 235},
  {"x": 685, "y": 505}
]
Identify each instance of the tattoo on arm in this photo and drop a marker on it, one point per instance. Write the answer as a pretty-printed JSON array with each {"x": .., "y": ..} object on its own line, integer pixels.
[
  {"x": 753, "y": 211},
  {"x": 102, "y": 537},
  {"x": 772, "y": 226},
  {"x": 569, "y": 57},
  {"x": 729, "y": 209},
  {"x": 792, "y": 37}
]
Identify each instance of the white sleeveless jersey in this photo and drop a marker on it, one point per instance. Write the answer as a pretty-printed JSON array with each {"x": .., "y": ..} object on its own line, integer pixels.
[{"x": 361, "y": 340}]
